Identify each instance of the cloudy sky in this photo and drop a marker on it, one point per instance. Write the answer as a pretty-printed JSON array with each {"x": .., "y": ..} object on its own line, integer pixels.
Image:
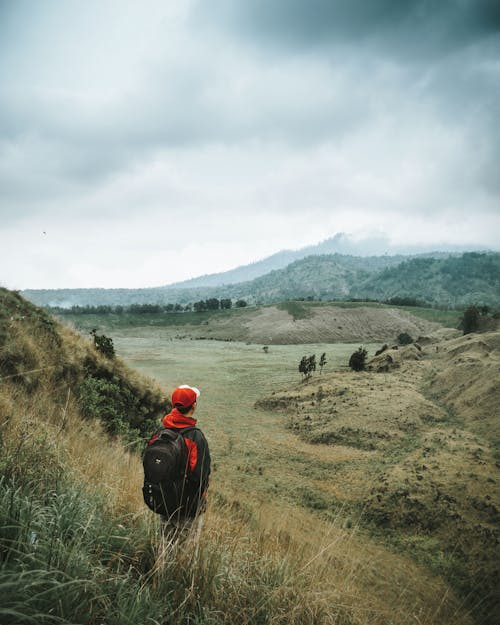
[{"x": 143, "y": 143}]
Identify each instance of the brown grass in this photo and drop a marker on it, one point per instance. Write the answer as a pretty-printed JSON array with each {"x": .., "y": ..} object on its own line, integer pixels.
[{"x": 328, "y": 571}]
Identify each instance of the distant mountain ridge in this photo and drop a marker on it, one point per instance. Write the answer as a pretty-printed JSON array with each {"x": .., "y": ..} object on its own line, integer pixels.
[
  {"x": 436, "y": 280},
  {"x": 341, "y": 243}
]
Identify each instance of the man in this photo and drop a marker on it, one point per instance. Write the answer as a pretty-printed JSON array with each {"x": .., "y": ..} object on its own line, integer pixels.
[{"x": 193, "y": 498}]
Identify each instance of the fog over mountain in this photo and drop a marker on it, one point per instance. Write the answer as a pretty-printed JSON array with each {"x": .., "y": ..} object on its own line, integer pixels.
[{"x": 341, "y": 243}]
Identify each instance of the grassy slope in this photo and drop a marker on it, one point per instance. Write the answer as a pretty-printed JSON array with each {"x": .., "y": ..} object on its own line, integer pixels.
[
  {"x": 78, "y": 545},
  {"x": 76, "y": 542},
  {"x": 252, "y": 324},
  {"x": 301, "y": 487},
  {"x": 424, "y": 477}
]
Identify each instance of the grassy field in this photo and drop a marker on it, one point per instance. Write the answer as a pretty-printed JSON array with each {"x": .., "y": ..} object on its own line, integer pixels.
[{"x": 247, "y": 441}]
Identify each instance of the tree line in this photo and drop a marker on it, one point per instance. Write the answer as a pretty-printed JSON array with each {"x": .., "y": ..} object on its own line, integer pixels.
[{"x": 141, "y": 309}]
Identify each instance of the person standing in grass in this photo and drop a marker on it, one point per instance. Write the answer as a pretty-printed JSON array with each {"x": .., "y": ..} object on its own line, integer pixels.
[{"x": 185, "y": 501}]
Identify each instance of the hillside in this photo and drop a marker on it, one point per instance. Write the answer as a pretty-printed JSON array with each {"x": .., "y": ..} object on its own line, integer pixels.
[
  {"x": 340, "y": 244},
  {"x": 77, "y": 544},
  {"x": 417, "y": 447},
  {"x": 286, "y": 323},
  {"x": 470, "y": 278},
  {"x": 451, "y": 281},
  {"x": 295, "y": 323}
]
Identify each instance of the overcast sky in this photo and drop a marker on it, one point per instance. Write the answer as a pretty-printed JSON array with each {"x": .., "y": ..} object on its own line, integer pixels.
[{"x": 143, "y": 143}]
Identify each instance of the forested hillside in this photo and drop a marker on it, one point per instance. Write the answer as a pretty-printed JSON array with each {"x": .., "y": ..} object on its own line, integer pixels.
[
  {"x": 450, "y": 281},
  {"x": 472, "y": 277}
]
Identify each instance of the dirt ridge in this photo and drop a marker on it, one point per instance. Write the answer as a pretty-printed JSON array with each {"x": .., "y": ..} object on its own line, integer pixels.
[{"x": 324, "y": 324}]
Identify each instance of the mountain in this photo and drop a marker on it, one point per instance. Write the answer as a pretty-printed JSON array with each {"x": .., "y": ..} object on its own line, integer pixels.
[
  {"x": 296, "y": 280},
  {"x": 470, "y": 278},
  {"x": 450, "y": 280},
  {"x": 341, "y": 243}
]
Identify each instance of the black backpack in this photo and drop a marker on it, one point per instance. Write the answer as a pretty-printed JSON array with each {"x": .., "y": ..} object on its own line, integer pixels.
[{"x": 165, "y": 462}]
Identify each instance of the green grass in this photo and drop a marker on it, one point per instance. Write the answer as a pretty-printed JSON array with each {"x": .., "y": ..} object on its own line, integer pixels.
[
  {"x": 447, "y": 318},
  {"x": 64, "y": 560},
  {"x": 296, "y": 309},
  {"x": 113, "y": 321}
]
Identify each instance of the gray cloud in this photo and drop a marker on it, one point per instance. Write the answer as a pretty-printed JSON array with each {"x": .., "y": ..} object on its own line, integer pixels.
[
  {"x": 297, "y": 118},
  {"x": 417, "y": 26}
]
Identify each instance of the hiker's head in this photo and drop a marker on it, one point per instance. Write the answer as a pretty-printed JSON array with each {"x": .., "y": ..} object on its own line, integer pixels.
[{"x": 184, "y": 398}]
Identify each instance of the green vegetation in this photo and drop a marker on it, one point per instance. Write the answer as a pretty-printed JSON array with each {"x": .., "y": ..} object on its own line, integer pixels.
[
  {"x": 103, "y": 344},
  {"x": 478, "y": 319},
  {"x": 295, "y": 533},
  {"x": 296, "y": 309},
  {"x": 404, "y": 338},
  {"x": 307, "y": 366},
  {"x": 357, "y": 361},
  {"x": 447, "y": 318},
  {"x": 452, "y": 281}
]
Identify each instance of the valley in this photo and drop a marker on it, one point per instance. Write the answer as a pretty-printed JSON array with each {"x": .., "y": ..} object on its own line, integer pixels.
[
  {"x": 349, "y": 498},
  {"x": 386, "y": 453}
]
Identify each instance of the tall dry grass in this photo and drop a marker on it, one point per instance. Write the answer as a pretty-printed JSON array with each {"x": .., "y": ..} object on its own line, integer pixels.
[{"x": 77, "y": 545}]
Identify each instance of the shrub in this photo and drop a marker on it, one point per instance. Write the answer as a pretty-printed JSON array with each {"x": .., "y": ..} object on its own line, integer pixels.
[
  {"x": 103, "y": 344},
  {"x": 307, "y": 365},
  {"x": 470, "y": 320},
  {"x": 404, "y": 338},
  {"x": 357, "y": 360},
  {"x": 122, "y": 409}
]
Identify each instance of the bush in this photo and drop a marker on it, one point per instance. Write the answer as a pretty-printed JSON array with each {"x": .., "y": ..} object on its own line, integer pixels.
[
  {"x": 470, "y": 320},
  {"x": 103, "y": 344},
  {"x": 307, "y": 365},
  {"x": 122, "y": 409},
  {"x": 404, "y": 338},
  {"x": 357, "y": 361}
]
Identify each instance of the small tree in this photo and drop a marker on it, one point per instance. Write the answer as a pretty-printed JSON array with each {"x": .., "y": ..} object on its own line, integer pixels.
[
  {"x": 307, "y": 365},
  {"x": 357, "y": 360},
  {"x": 470, "y": 320},
  {"x": 322, "y": 362},
  {"x": 103, "y": 344},
  {"x": 240, "y": 303},
  {"x": 212, "y": 303},
  {"x": 303, "y": 366},
  {"x": 200, "y": 306}
]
